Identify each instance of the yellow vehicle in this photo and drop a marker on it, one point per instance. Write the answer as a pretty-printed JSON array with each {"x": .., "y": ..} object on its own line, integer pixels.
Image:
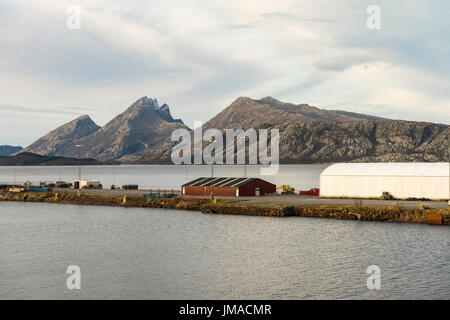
[{"x": 286, "y": 189}]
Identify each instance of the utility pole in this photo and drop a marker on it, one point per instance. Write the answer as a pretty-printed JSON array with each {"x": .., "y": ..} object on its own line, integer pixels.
[
  {"x": 79, "y": 160},
  {"x": 114, "y": 175},
  {"x": 212, "y": 164}
]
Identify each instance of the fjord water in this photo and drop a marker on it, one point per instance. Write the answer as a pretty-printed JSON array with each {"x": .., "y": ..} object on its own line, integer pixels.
[
  {"x": 161, "y": 176},
  {"x": 142, "y": 253}
]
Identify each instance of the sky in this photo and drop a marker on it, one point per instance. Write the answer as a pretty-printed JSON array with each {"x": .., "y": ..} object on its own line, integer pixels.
[{"x": 199, "y": 56}]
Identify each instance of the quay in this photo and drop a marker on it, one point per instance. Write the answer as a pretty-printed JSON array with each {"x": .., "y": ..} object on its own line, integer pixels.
[
  {"x": 276, "y": 200},
  {"x": 432, "y": 212}
]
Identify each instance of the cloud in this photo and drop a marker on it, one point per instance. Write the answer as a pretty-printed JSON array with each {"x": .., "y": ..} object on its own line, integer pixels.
[
  {"x": 60, "y": 110},
  {"x": 343, "y": 62},
  {"x": 282, "y": 17},
  {"x": 198, "y": 56}
]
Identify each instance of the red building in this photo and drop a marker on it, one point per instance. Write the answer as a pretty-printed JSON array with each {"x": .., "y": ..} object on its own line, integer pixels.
[{"x": 231, "y": 187}]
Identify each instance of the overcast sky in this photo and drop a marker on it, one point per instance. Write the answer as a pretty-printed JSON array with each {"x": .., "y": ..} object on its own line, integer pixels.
[{"x": 198, "y": 56}]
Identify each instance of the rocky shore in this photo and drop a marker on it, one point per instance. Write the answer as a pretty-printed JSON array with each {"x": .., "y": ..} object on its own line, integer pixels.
[{"x": 207, "y": 206}]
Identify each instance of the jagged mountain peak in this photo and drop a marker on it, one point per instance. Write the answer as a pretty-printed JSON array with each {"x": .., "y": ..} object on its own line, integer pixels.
[
  {"x": 141, "y": 126},
  {"x": 83, "y": 117},
  {"x": 144, "y": 102},
  {"x": 146, "y": 106}
]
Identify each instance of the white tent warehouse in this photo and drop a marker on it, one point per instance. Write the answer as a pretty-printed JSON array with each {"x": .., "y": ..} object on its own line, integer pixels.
[{"x": 401, "y": 180}]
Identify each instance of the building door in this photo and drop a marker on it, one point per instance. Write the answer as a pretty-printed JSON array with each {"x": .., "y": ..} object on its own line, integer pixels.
[{"x": 257, "y": 192}]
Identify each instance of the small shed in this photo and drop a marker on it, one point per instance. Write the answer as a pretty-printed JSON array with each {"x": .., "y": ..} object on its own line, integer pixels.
[
  {"x": 86, "y": 184},
  {"x": 231, "y": 187},
  {"x": 429, "y": 180}
]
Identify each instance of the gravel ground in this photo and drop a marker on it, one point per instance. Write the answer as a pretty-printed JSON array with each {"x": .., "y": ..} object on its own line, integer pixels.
[{"x": 279, "y": 200}]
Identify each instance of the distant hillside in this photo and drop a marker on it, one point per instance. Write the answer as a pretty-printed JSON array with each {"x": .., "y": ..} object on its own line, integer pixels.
[
  {"x": 6, "y": 150},
  {"x": 364, "y": 141},
  {"x": 31, "y": 159}
]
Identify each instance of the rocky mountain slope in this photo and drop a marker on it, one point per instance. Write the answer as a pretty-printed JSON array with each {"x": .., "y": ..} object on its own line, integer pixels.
[
  {"x": 354, "y": 141},
  {"x": 312, "y": 135},
  {"x": 142, "y": 126},
  {"x": 363, "y": 141},
  {"x": 6, "y": 150},
  {"x": 54, "y": 142}
]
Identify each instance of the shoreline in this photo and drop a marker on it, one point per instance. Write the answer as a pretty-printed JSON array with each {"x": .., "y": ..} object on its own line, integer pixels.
[{"x": 221, "y": 206}]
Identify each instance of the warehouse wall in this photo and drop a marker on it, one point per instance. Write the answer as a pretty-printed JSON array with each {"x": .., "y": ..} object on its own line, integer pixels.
[
  {"x": 249, "y": 188},
  {"x": 372, "y": 186},
  {"x": 206, "y": 191}
]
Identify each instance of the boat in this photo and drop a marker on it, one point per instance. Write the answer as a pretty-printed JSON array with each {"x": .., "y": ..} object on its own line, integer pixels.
[
  {"x": 158, "y": 195},
  {"x": 38, "y": 189}
]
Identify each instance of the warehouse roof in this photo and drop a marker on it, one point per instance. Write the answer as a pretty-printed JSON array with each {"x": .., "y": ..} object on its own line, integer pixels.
[
  {"x": 409, "y": 169},
  {"x": 219, "y": 182}
]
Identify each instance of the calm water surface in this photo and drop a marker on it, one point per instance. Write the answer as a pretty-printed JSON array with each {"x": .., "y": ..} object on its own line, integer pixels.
[
  {"x": 161, "y": 176},
  {"x": 139, "y": 253}
]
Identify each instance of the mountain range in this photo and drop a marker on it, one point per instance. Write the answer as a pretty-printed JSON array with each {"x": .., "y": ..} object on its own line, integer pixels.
[
  {"x": 141, "y": 134},
  {"x": 141, "y": 127}
]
